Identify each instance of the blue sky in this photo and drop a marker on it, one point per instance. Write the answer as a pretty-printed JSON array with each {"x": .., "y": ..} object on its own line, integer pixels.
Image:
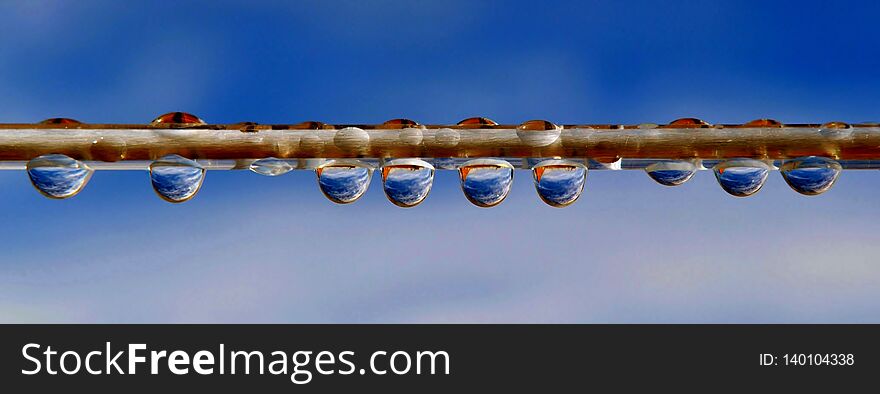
[{"x": 257, "y": 249}]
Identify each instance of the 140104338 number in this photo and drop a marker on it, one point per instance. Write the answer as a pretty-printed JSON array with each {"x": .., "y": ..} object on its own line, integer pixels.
[{"x": 819, "y": 359}]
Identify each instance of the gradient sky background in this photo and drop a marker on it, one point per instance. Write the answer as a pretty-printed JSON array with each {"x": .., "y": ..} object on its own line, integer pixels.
[{"x": 256, "y": 249}]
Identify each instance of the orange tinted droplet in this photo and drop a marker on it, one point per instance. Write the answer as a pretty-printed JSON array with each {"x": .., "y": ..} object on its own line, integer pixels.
[
  {"x": 247, "y": 127},
  {"x": 478, "y": 121},
  {"x": 537, "y": 125},
  {"x": 61, "y": 121},
  {"x": 310, "y": 125},
  {"x": 836, "y": 125},
  {"x": 178, "y": 118},
  {"x": 689, "y": 122},
  {"x": 399, "y": 124},
  {"x": 763, "y": 123}
]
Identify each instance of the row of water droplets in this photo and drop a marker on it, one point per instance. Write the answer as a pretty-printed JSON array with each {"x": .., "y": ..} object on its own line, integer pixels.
[{"x": 485, "y": 182}]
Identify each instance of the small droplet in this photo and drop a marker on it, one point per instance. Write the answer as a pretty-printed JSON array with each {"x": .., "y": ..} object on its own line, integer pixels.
[
  {"x": 342, "y": 182},
  {"x": 61, "y": 121},
  {"x": 810, "y": 175},
  {"x": 246, "y": 127},
  {"x": 689, "y": 123},
  {"x": 477, "y": 122},
  {"x": 175, "y": 178},
  {"x": 447, "y": 138},
  {"x": 741, "y": 177},
  {"x": 311, "y": 125},
  {"x": 536, "y": 133},
  {"x": 671, "y": 173},
  {"x": 398, "y": 124},
  {"x": 351, "y": 138},
  {"x": 537, "y": 125},
  {"x": 58, "y": 176},
  {"x": 835, "y": 129},
  {"x": 763, "y": 123},
  {"x": 407, "y": 182},
  {"x": 486, "y": 182},
  {"x": 178, "y": 118},
  {"x": 559, "y": 183},
  {"x": 411, "y": 136},
  {"x": 271, "y": 166}
]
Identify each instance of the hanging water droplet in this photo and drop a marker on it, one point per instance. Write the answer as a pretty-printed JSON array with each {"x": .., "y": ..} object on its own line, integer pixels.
[
  {"x": 343, "y": 182},
  {"x": 559, "y": 182},
  {"x": 810, "y": 175},
  {"x": 58, "y": 176},
  {"x": 175, "y": 178},
  {"x": 671, "y": 173},
  {"x": 835, "y": 129},
  {"x": 61, "y": 121},
  {"x": 271, "y": 166},
  {"x": 538, "y": 133},
  {"x": 477, "y": 122},
  {"x": 407, "y": 182},
  {"x": 178, "y": 118},
  {"x": 741, "y": 177},
  {"x": 486, "y": 182}
]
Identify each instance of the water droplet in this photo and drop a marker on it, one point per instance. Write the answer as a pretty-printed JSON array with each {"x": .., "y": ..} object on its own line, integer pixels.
[
  {"x": 810, "y": 175},
  {"x": 398, "y": 124},
  {"x": 271, "y": 166},
  {"x": 763, "y": 123},
  {"x": 351, "y": 138},
  {"x": 310, "y": 125},
  {"x": 689, "y": 123},
  {"x": 835, "y": 129},
  {"x": 343, "y": 182},
  {"x": 407, "y": 182},
  {"x": 175, "y": 178},
  {"x": 538, "y": 133},
  {"x": 671, "y": 173},
  {"x": 477, "y": 122},
  {"x": 411, "y": 136},
  {"x": 741, "y": 177},
  {"x": 61, "y": 121},
  {"x": 246, "y": 127},
  {"x": 486, "y": 182},
  {"x": 447, "y": 138},
  {"x": 58, "y": 176},
  {"x": 178, "y": 118},
  {"x": 559, "y": 182}
]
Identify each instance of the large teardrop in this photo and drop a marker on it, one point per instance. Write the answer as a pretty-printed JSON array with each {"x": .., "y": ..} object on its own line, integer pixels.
[
  {"x": 176, "y": 179},
  {"x": 741, "y": 177},
  {"x": 559, "y": 182},
  {"x": 486, "y": 182},
  {"x": 58, "y": 176},
  {"x": 671, "y": 173},
  {"x": 810, "y": 175},
  {"x": 407, "y": 182},
  {"x": 343, "y": 182}
]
